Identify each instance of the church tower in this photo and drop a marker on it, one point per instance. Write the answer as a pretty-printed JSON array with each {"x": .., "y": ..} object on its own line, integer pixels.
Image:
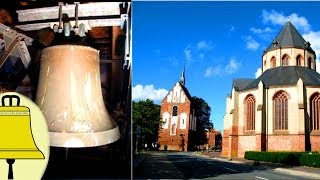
[
  {"x": 279, "y": 110},
  {"x": 289, "y": 49},
  {"x": 177, "y": 118}
]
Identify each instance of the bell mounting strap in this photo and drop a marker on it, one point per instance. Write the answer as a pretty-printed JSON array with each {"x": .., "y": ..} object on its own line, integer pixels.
[{"x": 10, "y": 97}]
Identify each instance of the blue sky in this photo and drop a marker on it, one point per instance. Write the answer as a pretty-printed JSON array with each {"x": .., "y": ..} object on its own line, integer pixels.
[{"x": 218, "y": 41}]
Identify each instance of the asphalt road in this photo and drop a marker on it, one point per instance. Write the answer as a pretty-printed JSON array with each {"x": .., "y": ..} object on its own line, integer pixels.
[{"x": 185, "y": 165}]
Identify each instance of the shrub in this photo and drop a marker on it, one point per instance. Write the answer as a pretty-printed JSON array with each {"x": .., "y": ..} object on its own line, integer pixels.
[
  {"x": 289, "y": 158},
  {"x": 310, "y": 159}
]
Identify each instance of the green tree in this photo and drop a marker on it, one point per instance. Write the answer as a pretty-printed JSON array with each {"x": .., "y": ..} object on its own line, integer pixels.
[
  {"x": 146, "y": 115},
  {"x": 202, "y": 112}
]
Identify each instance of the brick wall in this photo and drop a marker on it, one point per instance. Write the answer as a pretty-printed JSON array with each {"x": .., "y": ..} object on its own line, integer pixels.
[
  {"x": 234, "y": 141},
  {"x": 225, "y": 143},
  {"x": 260, "y": 142},
  {"x": 275, "y": 143},
  {"x": 246, "y": 143},
  {"x": 211, "y": 138},
  {"x": 286, "y": 142},
  {"x": 315, "y": 142},
  {"x": 173, "y": 142}
]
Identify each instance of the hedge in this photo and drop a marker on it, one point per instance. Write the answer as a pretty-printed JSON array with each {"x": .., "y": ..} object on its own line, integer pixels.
[{"x": 310, "y": 159}]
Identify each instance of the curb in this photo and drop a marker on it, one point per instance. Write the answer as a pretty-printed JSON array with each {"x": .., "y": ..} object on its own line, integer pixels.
[
  {"x": 221, "y": 159},
  {"x": 283, "y": 170},
  {"x": 299, "y": 173},
  {"x": 225, "y": 160}
]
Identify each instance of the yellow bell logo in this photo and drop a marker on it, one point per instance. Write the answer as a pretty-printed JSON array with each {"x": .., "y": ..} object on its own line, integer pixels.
[{"x": 16, "y": 138}]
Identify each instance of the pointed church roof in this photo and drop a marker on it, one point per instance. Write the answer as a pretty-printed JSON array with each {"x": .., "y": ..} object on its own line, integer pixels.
[
  {"x": 186, "y": 91},
  {"x": 182, "y": 83},
  {"x": 289, "y": 37}
]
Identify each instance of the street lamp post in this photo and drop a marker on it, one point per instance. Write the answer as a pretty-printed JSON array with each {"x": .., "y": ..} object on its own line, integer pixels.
[{"x": 138, "y": 134}]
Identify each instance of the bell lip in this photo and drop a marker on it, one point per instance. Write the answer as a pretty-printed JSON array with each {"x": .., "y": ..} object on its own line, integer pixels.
[
  {"x": 60, "y": 139},
  {"x": 71, "y": 45},
  {"x": 21, "y": 154}
]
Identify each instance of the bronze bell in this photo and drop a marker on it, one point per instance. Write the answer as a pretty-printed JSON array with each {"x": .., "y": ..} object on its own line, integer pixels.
[{"x": 69, "y": 95}]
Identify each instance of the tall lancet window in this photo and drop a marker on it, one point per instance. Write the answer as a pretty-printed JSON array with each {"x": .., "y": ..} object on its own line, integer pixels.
[
  {"x": 280, "y": 110},
  {"x": 174, "y": 121},
  {"x": 273, "y": 62},
  {"x": 315, "y": 112},
  {"x": 299, "y": 60},
  {"x": 285, "y": 60},
  {"x": 250, "y": 112},
  {"x": 175, "y": 111}
]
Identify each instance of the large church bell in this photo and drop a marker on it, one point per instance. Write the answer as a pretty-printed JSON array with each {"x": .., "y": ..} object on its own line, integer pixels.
[{"x": 69, "y": 95}]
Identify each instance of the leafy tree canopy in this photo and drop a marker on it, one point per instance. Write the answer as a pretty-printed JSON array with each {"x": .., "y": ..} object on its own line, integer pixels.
[
  {"x": 202, "y": 112},
  {"x": 146, "y": 114}
]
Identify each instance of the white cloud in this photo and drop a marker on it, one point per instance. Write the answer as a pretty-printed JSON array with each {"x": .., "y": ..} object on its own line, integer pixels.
[
  {"x": 278, "y": 18},
  {"x": 208, "y": 72},
  {"x": 218, "y": 71},
  {"x": 214, "y": 71},
  {"x": 204, "y": 45},
  {"x": 261, "y": 31},
  {"x": 230, "y": 68},
  {"x": 314, "y": 39},
  {"x": 140, "y": 92},
  {"x": 187, "y": 54},
  {"x": 251, "y": 44},
  {"x": 231, "y": 28},
  {"x": 258, "y": 72},
  {"x": 197, "y": 51}
]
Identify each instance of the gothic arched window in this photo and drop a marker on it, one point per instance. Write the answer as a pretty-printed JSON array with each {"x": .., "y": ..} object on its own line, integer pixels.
[
  {"x": 285, "y": 60},
  {"x": 315, "y": 112},
  {"x": 250, "y": 112},
  {"x": 280, "y": 110},
  {"x": 299, "y": 60},
  {"x": 273, "y": 62},
  {"x": 309, "y": 62},
  {"x": 175, "y": 111}
]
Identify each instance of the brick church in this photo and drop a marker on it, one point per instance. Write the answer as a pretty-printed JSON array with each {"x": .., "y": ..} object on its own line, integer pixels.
[
  {"x": 179, "y": 122},
  {"x": 280, "y": 110}
]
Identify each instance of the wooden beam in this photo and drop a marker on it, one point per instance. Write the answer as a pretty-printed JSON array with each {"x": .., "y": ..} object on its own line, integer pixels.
[{"x": 117, "y": 72}]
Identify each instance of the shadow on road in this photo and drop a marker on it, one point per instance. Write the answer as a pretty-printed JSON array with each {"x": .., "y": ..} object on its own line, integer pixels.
[
  {"x": 198, "y": 167},
  {"x": 185, "y": 165}
]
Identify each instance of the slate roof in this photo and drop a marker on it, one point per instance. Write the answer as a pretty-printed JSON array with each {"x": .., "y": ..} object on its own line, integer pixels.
[
  {"x": 289, "y": 37},
  {"x": 186, "y": 91},
  {"x": 240, "y": 83},
  {"x": 286, "y": 75}
]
